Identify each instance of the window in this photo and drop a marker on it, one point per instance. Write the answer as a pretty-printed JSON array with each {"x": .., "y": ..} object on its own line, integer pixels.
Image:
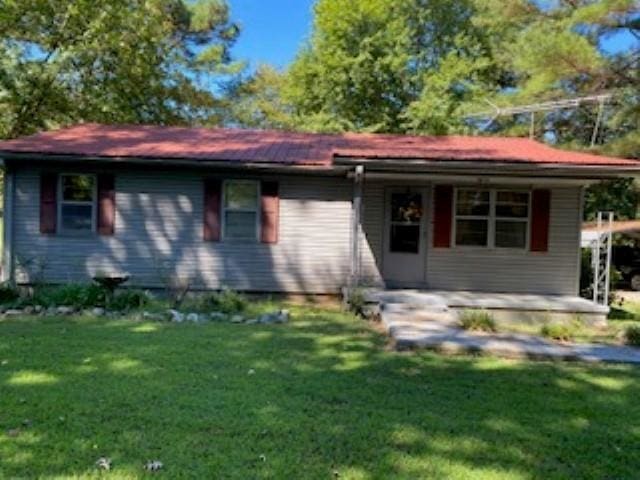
[
  {"x": 406, "y": 215},
  {"x": 472, "y": 217},
  {"x": 512, "y": 218},
  {"x": 492, "y": 218},
  {"x": 77, "y": 203},
  {"x": 240, "y": 210}
]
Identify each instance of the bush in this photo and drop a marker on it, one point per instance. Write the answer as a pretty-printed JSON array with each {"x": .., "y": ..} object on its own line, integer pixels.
[
  {"x": 128, "y": 300},
  {"x": 480, "y": 320},
  {"x": 73, "y": 295},
  {"x": 226, "y": 301},
  {"x": 632, "y": 335},
  {"x": 586, "y": 277},
  {"x": 8, "y": 294},
  {"x": 558, "y": 331},
  {"x": 356, "y": 301}
]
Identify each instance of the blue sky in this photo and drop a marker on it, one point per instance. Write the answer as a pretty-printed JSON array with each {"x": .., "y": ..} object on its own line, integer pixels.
[{"x": 273, "y": 30}]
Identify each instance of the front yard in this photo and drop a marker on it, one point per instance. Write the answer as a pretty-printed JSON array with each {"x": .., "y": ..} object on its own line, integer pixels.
[{"x": 320, "y": 397}]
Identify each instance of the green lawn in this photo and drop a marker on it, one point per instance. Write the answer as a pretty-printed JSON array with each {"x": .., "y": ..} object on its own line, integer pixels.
[{"x": 321, "y": 397}]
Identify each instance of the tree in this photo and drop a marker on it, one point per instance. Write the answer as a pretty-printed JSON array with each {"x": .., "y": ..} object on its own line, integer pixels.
[
  {"x": 369, "y": 62},
  {"x": 255, "y": 100},
  {"x": 131, "y": 61},
  {"x": 558, "y": 53}
]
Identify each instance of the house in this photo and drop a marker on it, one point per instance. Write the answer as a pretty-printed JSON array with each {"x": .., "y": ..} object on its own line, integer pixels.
[{"x": 292, "y": 212}]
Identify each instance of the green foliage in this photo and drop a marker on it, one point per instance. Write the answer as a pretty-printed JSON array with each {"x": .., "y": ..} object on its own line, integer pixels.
[
  {"x": 479, "y": 320},
  {"x": 357, "y": 301},
  {"x": 632, "y": 335},
  {"x": 76, "y": 295},
  {"x": 562, "y": 331},
  {"x": 619, "y": 196},
  {"x": 126, "y": 299},
  {"x": 225, "y": 301},
  {"x": 8, "y": 294},
  {"x": 256, "y": 101},
  {"x": 128, "y": 61}
]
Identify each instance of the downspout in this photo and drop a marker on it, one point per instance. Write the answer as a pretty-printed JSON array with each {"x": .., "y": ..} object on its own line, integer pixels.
[
  {"x": 356, "y": 216},
  {"x": 7, "y": 241}
]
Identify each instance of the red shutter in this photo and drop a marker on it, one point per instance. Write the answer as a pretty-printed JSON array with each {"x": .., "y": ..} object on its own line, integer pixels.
[
  {"x": 540, "y": 213},
  {"x": 442, "y": 215},
  {"x": 48, "y": 203},
  {"x": 212, "y": 196},
  {"x": 106, "y": 204},
  {"x": 270, "y": 212}
]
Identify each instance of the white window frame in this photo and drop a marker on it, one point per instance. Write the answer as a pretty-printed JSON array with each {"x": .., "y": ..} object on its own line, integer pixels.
[
  {"x": 492, "y": 218},
  {"x": 62, "y": 201},
  {"x": 249, "y": 210}
]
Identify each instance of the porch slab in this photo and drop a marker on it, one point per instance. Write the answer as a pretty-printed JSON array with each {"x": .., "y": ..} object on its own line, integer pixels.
[{"x": 489, "y": 301}]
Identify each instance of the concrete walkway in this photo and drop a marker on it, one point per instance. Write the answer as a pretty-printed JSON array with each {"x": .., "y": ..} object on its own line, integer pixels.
[{"x": 438, "y": 330}]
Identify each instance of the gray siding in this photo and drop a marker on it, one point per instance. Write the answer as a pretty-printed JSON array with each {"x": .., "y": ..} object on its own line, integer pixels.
[
  {"x": 159, "y": 234},
  {"x": 481, "y": 269}
]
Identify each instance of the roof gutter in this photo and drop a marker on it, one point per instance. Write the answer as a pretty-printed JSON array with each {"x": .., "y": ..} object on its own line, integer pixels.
[
  {"x": 179, "y": 162},
  {"x": 477, "y": 179},
  {"x": 484, "y": 167}
]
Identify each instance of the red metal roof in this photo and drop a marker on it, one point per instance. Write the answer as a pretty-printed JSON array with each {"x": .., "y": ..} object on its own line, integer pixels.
[{"x": 288, "y": 148}]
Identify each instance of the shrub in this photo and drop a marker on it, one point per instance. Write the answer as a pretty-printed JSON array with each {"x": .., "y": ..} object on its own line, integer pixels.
[
  {"x": 477, "y": 320},
  {"x": 8, "y": 294},
  {"x": 128, "y": 300},
  {"x": 356, "y": 301},
  {"x": 73, "y": 295},
  {"x": 632, "y": 335},
  {"x": 226, "y": 301},
  {"x": 558, "y": 331}
]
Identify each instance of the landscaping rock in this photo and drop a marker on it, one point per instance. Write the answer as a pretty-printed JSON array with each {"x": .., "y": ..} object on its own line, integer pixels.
[
  {"x": 38, "y": 309},
  {"x": 153, "y": 465},
  {"x": 155, "y": 317},
  {"x": 251, "y": 321},
  {"x": 192, "y": 317},
  {"x": 217, "y": 316},
  {"x": 103, "y": 463},
  {"x": 282, "y": 316},
  {"x": 237, "y": 319},
  {"x": 50, "y": 312},
  {"x": 371, "y": 311},
  {"x": 176, "y": 316},
  {"x": 98, "y": 312},
  {"x": 29, "y": 310},
  {"x": 64, "y": 310},
  {"x": 13, "y": 312},
  {"x": 266, "y": 318}
]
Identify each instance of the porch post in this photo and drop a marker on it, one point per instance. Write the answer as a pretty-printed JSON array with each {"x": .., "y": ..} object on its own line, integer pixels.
[
  {"x": 356, "y": 214},
  {"x": 7, "y": 211}
]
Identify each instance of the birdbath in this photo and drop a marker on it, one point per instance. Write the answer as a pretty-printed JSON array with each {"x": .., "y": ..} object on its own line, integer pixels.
[{"x": 110, "y": 283}]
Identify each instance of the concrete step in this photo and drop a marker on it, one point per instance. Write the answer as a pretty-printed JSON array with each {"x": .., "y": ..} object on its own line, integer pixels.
[
  {"x": 411, "y": 298},
  {"x": 411, "y": 308},
  {"x": 421, "y": 315}
]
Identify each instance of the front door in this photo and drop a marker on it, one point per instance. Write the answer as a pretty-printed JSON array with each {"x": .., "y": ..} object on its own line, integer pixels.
[{"x": 404, "y": 244}]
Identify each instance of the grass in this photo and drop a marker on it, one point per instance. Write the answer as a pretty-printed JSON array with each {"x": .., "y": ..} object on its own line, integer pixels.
[
  {"x": 479, "y": 320},
  {"x": 320, "y": 397}
]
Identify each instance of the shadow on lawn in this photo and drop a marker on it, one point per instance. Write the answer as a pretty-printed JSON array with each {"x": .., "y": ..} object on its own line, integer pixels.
[{"x": 318, "y": 398}]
